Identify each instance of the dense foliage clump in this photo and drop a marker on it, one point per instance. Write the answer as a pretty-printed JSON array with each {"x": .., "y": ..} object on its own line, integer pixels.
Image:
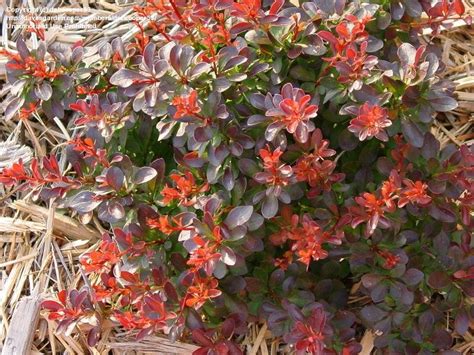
[{"x": 259, "y": 162}]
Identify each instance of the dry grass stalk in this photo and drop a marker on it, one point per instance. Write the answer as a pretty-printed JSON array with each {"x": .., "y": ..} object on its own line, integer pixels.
[
  {"x": 63, "y": 225},
  {"x": 367, "y": 342},
  {"x": 126, "y": 345},
  {"x": 23, "y": 325}
]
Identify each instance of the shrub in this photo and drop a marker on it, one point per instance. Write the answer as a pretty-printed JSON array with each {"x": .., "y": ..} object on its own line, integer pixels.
[{"x": 260, "y": 162}]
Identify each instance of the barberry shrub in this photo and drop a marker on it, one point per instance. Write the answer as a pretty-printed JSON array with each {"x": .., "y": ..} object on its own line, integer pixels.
[{"x": 260, "y": 162}]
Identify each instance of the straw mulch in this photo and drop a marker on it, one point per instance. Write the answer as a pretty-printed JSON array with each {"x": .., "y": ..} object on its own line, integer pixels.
[{"x": 40, "y": 246}]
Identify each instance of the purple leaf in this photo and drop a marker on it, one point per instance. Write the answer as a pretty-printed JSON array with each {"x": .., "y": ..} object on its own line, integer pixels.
[
  {"x": 116, "y": 210},
  {"x": 238, "y": 216},
  {"x": 439, "y": 279},
  {"x": 222, "y": 84},
  {"x": 413, "y": 277},
  {"x": 160, "y": 68},
  {"x": 199, "y": 69},
  {"x": 406, "y": 52},
  {"x": 443, "y": 214},
  {"x": 235, "y": 62},
  {"x": 148, "y": 53},
  {"x": 257, "y": 100},
  {"x": 228, "y": 179},
  {"x": 84, "y": 202},
  {"x": 272, "y": 130},
  {"x": 22, "y": 49},
  {"x": 255, "y": 222},
  {"x": 430, "y": 147},
  {"x": 379, "y": 292},
  {"x": 126, "y": 77},
  {"x": 370, "y": 280},
  {"x": 13, "y": 107},
  {"x": 93, "y": 336},
  {"x": 220, "y": 5},
  {"x": 228, "y": 256},
  {"x": 259, "y": 68},
  {"x": 441, "y": 338},
  {"x": 193, "y": 161},
  {"x": 170, "y": 291},
  {"x": 238, "y": 233},
  {"x": 175, "y": 54},
  {"x": 77, "y": 55},
  {"x": 372, "y": 314},
  {"x": 202, "y": 134},
  {"x": 106, "y": 51},
  {"x": 144, "y": 175},
  {"x": 426, "y": 322},
  {"x": 227, "y": 327},
  {"x": 413, "y": 134},
  {"x": 159, "y": 165},
  {"x": 44, "y": 91},
  {"x": 316, "y": 46},
  {"x": 115, "y": 178},
  {"x": 327, "y": 7},
  {"x": 397, "y": 10},
  {"x": 443, "y": 103},
  {"x": 461, "y": 323},
  {"x": 217, "y": 155},
  {"x": 248, "y": 167},
  {"x": 63, "y": 82},
  {"x": 413, "y": 8},
  {"x": 269, "y": 207}
]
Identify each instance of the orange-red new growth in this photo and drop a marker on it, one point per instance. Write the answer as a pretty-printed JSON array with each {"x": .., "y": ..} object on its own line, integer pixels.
[
  {"x": 64, "y": 310},
  {"x": 372, "y": 211},
  {"x": 185, "y": 191},
  {"x": 84, "y": 90},
  {"x": 295, "y": 112},
  {"x": 206, "y": 254},
  {"x": 26, "y": 112},
  {"x": 306, "y": 237},
  {"x": 284, "y": 261},
  {"x": 34, "y": 67},
  {"x": 11, "y": 175},
  {"x": 314, "y": 172},
  {"x": 163, "y": 224},
  {"x": 390, "y": 260},
  {"x": 370, "y": 122},
  {"x": 202, "y": 290},
  {"x": 86, "y": 146},
  {"x": 48, "y": 173},
  {"x": 275, "y": 172},
  {"x": 101, "y": 260},
  {"x": 414, "y": 192},
  {"x": 309, "y": 334},
  {"x": 37, "y": 28},
  {"x": 186, "y": 105},
  {"x": 247, "y": 9}
]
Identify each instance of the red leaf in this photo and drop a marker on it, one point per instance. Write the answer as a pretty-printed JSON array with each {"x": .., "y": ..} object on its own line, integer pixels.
[
  {"x": 240, "y": 27},
  {"x": 51, "y": 305},
  {"x": 459, "y": 7},
  {"x": 129, "y": 277},
  {"x": 62, "y": 296},
  {"x": 276, "y": 6},
  {"x": 201, "y": 338}
]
